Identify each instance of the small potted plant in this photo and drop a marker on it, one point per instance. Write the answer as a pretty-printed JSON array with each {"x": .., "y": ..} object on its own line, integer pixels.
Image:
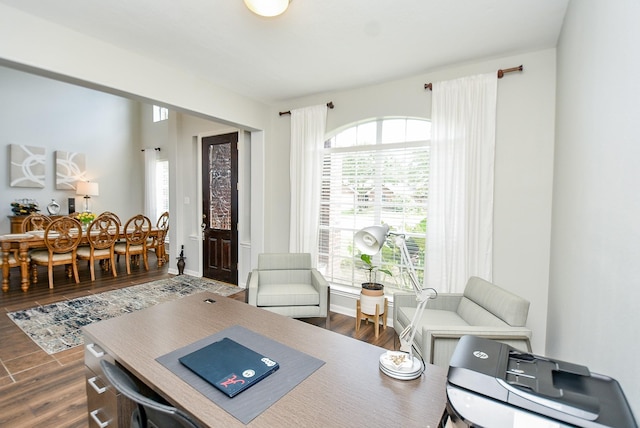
[
  {"x": 372, "y": 292},
  {"x": 372, "y": 274}
]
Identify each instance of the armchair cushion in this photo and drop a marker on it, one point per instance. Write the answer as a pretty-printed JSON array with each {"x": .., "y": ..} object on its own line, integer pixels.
[{"x": 288, "y": 295}]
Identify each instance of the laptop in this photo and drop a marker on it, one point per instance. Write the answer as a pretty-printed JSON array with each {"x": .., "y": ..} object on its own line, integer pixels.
[{"x": 229, "y": 366}]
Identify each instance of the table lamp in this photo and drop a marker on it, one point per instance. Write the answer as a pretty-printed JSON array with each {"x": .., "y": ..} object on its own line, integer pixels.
[
  {"x": 87, "y": 189},
  {"x": 403, "y": 364}
]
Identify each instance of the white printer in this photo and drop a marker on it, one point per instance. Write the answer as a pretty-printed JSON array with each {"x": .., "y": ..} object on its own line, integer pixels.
[{"x": 493, "y": 385}]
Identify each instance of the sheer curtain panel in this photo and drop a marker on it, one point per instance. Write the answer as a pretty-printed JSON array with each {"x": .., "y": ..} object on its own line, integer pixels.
[
  {"x": 460, "y": 214},
  {"x": 307, "y": 140},
  {"x": 150, "y": 202}
]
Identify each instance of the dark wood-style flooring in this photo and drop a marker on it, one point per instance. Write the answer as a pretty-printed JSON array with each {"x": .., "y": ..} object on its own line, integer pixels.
[{"x": 37, "y": 389}]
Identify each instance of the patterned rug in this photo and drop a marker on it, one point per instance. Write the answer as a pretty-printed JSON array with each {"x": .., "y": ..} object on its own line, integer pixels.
[{"x": 56, "y": 327}]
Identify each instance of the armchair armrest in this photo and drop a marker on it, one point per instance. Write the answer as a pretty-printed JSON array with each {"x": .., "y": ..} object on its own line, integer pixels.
[
  {"x": 438, "y": 342},
  {"x": 445, "y": 302},
  {"x": 322, "y": 285},
  {"x": 252, "y": 288}
]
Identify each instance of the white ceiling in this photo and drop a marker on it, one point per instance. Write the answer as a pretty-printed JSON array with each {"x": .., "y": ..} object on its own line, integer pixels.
[{"x": 317, "y": 45}]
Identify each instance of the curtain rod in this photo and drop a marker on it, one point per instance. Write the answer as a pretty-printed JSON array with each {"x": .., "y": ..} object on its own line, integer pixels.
[
  {"x": 329, "y": 104},
  {"x": 157, "y": 149},
  {"x": 501, "y": 74}
]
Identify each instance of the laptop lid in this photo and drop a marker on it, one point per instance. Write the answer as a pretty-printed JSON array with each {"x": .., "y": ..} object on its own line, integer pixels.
[{"x": 229, "y": 366}]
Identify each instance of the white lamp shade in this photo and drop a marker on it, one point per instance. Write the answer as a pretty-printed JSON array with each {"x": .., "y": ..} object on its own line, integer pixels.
[
  {"x": 371, "y": 239},
  {"x": 267, "y": 7},
  {"x": 87, "y": 188}
]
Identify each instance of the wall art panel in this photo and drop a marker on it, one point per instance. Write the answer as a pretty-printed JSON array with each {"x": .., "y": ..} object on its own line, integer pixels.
[
  {"x": 27, "y": 166},
  {"x": 70, "y": 167}
]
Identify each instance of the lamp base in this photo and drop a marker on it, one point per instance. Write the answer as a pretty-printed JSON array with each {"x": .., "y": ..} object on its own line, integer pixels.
[{"x": 407, "y": 370}]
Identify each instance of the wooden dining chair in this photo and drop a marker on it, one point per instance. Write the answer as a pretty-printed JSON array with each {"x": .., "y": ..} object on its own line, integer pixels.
[
  {"x": 136, "y": 232},
  {"x": 62, "y": 238},
  {"x": 35, "y": 221},
  {"x": 156, "y": 243},
  {"x": 31, "y": 222},
  {"x": 102, "y": 234}
]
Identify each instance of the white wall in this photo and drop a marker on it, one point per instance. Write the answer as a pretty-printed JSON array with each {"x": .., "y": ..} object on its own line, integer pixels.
[
  {"x": 41, "y": 112},
  {"x": 188, "y": 192},
  {"x": 524, "y": 164},
  {"x": 595, "y": 268}
]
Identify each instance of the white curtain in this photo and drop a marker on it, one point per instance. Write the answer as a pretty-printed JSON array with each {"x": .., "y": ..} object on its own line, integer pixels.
[
  {"x": 150, "y": 203},
  {"x": 460, "y": 215},
  {"x": 307, "y": 141}
]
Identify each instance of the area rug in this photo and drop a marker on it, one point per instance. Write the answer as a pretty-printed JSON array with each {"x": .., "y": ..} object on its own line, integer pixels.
[{"x": 56, "y": 327}]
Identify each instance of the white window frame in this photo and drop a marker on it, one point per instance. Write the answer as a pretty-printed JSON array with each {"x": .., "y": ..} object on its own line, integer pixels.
[
  {"x": 160, "y": 113},
  {"x": 338, "y": 259}
]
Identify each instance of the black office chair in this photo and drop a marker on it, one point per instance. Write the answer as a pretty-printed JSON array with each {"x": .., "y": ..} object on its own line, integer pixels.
[{"x": 149, "y": 412}]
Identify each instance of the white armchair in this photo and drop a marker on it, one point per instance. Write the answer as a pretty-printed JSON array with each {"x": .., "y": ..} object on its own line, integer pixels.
[
  {"x": 285, "y": 283},
  {"x": 484, "y": 310}
]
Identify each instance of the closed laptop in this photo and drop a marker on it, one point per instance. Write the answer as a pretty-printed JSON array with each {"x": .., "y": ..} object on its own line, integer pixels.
[{"x": 229, "y": 366}]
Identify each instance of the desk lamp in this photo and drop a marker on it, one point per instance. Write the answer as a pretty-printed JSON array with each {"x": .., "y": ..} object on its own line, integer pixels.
[
  {"x": 87, "y": 189},
  {"x": 399, "y": 365}
]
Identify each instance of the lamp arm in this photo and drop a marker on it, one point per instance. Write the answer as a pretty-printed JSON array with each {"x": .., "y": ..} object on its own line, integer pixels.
[{"x": 422, "y": 297}]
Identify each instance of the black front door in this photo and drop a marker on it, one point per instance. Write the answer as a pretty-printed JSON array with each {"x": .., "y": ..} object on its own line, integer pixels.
[{"x": 220, "y": 207}]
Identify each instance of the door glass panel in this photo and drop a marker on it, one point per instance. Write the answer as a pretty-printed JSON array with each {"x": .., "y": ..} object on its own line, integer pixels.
[{"x": 220, "y": 186}]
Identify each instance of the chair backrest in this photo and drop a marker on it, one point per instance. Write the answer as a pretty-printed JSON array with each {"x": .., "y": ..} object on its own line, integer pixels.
[
  {"x": 114, "y": 215},
  {"x": 163, "y": 225},
  {"x": 35, "y": 221},
  {"x": 103, "y": 232},
  {"x": 136, "y": 230},
  {"x": 163, "y": 221},
  {"x": 63, "y": 235},
  {"x": 284, "y": 261},
  {"x": 482, "y": 300},
  {"x": 284, "y": 268},
  {"x": 149, "y": 410}
]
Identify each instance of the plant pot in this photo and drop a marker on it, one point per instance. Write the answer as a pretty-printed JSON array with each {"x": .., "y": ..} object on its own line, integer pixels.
[
  {"x": 369, "y": 299},
  {"x": 375, "y": 286}
]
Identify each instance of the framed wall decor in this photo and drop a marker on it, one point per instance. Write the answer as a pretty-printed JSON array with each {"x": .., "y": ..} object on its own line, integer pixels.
[
  {"x": 70, "y": 167},
  {"x": 27, "y": 166}
]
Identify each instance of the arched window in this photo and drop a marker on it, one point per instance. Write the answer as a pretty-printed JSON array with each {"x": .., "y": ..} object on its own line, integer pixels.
[{"x": 374, "y": 172}]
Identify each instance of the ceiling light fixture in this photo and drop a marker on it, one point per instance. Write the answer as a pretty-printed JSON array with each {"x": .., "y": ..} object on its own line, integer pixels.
[{"x": 267, "y": 8}]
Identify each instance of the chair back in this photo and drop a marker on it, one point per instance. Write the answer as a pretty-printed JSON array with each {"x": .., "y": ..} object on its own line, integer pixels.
[
  {"x": 35, "y": 221},
  {"x": 149, "y": 410},
  {"x": 163, "y": 222},
  {"x": 137, "y": 229},
  {"x": 163, "y": 226},
  {"x": 63, "y": 235},
  {"x": 284, "y": 268},
  {"x": 484, "y": 303},
  {"x": 103, "y": 232},
  {"x": 114, "y": 215}
]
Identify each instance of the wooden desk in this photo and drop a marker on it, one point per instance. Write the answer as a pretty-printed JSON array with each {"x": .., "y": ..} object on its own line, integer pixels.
[
  {"x": 35, "y": 240},
  {"x": 348, "y": 390}
]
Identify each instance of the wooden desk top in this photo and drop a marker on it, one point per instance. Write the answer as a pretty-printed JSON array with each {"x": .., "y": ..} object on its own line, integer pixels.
[{"x": 348, "y": 390}]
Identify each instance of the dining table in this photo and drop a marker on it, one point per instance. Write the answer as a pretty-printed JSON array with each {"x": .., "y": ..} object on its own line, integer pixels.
[{"x": 24, "y": 242}]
